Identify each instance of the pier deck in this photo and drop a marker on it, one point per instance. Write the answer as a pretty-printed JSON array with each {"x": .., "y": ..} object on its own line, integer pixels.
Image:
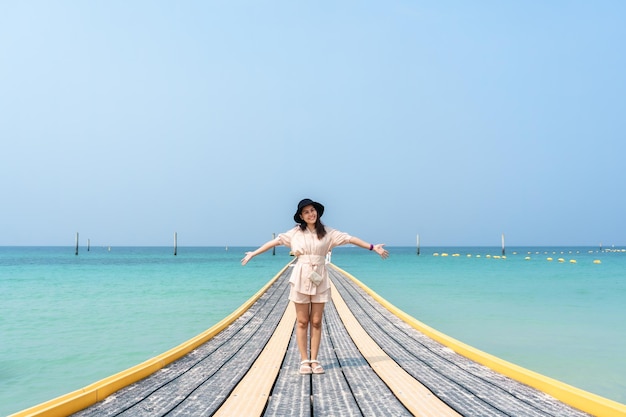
[{"x": 376, "y": 365}]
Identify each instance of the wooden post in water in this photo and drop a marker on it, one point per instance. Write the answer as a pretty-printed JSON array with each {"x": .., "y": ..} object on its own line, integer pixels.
[
  {"x": 502, "y": 244},
  {"x": 88, "y": 244},
  {"x": 418, "y": 245},
  {"x": 175, "y": 243},
  {"x": 274, "y": 248},
  {"x": 76, "y": 243}
]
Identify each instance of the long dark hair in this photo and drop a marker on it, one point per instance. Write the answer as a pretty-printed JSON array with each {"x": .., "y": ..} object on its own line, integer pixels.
[{"x": 320, "y": 229}]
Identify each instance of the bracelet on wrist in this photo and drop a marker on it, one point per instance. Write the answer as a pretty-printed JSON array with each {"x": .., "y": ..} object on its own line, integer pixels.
[{"x": 371, "y": 246}]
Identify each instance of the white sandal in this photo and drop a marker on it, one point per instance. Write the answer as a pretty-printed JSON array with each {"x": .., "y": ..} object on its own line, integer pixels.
[
  {"x": 305, "y": 368},
  {"x": 316, "y": 369}
]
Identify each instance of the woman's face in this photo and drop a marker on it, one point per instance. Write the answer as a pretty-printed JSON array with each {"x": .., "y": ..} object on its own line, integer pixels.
[{"x": 309, "y": 214}]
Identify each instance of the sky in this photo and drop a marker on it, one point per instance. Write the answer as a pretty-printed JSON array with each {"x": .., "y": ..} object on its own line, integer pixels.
[{"x": 129, "y": 121}]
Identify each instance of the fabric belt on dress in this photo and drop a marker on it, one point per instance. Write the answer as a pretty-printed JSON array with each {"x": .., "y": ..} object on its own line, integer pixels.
[{"x": 312, "y": 259}]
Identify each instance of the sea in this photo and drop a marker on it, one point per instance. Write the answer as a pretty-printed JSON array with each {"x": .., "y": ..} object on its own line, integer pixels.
[{"x": 69, "y": 320}]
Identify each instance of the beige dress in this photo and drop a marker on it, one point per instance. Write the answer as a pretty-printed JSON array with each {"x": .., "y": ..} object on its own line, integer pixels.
[{"x": 313, "y": 256}]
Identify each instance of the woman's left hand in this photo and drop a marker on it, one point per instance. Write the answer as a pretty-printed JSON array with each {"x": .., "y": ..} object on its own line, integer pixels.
[{"x": 379, "y": 249}]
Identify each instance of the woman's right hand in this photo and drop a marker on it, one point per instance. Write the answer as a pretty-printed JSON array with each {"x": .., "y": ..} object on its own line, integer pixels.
[{"x": 247, "y": 258}]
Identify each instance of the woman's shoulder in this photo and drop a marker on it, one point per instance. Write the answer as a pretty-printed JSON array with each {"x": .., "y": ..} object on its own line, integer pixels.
[
  {"x": 293, "y": 230},
  {"x": 337, "y": 234},
  {"x": 332, "y": 231}
]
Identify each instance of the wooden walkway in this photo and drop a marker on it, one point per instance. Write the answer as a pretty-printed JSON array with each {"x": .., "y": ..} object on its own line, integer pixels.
[{"x": 376, "y": 365}]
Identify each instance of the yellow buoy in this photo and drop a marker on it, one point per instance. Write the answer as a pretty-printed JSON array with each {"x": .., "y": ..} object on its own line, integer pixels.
[
  {"x": 527, "y": 258},
  {"x": 435, "y": 254},
  {"x": 444, "y": 254},
  {"x": 549, "y": 259},
  {"x": 561, "y": 260},
  {"x": 597, "y": 261},
  {"x": 572, "y": 261}
]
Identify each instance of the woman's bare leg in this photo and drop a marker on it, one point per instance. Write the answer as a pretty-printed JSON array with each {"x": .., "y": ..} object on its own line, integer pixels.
[
  {"x": 302, "y": 327},
  {"x": 317, "y": 311}
]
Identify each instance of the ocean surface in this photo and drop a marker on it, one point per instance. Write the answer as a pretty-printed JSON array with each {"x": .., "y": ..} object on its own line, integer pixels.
[{"x": 67, "y": 321}]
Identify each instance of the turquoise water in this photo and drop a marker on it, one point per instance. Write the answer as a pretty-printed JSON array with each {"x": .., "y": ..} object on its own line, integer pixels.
[{"x": 67, "y": 321}]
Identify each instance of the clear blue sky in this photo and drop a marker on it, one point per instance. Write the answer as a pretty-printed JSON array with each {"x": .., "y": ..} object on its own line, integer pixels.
[{"x": 128, "y": 121}]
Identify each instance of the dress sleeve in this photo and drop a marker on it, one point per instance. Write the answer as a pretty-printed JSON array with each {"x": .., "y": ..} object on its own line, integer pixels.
[
  {"x": 286, "y": 238},
  {"x": 338, "y": 238}
]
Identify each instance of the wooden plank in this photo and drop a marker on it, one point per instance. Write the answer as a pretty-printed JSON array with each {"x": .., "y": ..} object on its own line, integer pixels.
[
  {"x": 330, "y": 392},
  {"x": 415, "y": 397},
  {"x": 467, "y": 386},
  {"x": 291, "y": 395},
  {"x": 167, "y": 389},
  {"x": 209, "y": 394},
  {"x": 251, "y": 394},
  {"x": 348, "y": 388},
  {"x": 372, "y": 396},
  {"x": 414, "y": 360}
]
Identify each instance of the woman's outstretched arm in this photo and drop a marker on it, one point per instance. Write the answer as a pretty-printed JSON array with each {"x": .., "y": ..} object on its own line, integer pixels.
[
  {"x": 379, "y": 248},
  {"x": 265, "y": 247}
]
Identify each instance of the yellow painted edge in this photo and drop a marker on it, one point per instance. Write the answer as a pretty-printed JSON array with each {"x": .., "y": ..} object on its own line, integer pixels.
[
  {"x": 85, "y": 397},
  {"x": 576, "y": 397}
]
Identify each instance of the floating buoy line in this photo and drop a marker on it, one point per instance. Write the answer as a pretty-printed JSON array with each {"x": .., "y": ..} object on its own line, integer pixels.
[{"x": 559, "y": 255}]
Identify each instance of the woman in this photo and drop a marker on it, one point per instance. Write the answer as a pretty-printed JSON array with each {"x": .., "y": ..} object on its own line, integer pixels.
[{"x": 310, "y": 241}]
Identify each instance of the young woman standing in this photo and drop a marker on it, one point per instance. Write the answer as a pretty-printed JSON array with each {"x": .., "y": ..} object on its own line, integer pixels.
[{"x": 310, "y": 241}]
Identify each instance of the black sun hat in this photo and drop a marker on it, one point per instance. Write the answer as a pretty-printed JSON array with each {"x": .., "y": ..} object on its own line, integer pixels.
[{"x": 308, "y": 202}]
